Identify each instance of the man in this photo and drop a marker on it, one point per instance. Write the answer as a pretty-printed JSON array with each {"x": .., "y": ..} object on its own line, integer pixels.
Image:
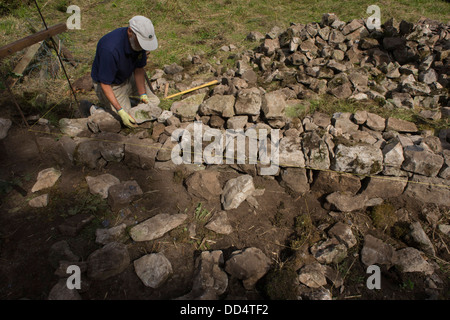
[{"x": 118, "y": 69}]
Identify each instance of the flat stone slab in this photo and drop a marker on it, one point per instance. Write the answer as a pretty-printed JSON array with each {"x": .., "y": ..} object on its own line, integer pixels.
[
  {"x": 156, "y": 226},
  {"x": 46, "y": 179}
]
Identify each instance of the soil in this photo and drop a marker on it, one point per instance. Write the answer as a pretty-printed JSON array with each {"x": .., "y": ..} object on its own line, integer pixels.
[{"x": 26, "y": 234}]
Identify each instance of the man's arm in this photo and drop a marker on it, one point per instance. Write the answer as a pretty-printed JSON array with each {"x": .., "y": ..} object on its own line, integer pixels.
[
  {"x": 109, "y": 93},
  {"x": 139, "y": 76}
]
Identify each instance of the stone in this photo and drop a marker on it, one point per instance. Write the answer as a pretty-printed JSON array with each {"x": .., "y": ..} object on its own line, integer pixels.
[
  {"x": 101, "y": 184},
  {"x": 153, "y": 269},
  {"x": 102, "y": 121},
  {"x": 164, "y": 116},
  {"x": 236, "y": 191},
  {"x": 123, "y": 193},
  {"x": 312, "y": 275},
  {"x": 255, "y": 36},
  {"x": 155, "y": 227},
  {"x": 345, "y": 202},
  {"x": 210, "y": 281},
  {"x": 375, "y": 251},
  {"x": 400, "y": 125},
  {"x": 274, "y": 105},
  {"x": 74, "y": 127},
  {"x": 73, "y": 225},
  {"x": 112, "y": 146},
  {"x": 428, "y": 190},
  {"x": 164, "y": 153},
  {"x": 315, "y": 151},
  {"x": 108, "y": 261},
  {"x": 342, "y": 122},
  {"x": 219, "y": 223},
  {"x": 218, "y": 105},
  {"x": 411, "y": 260},
  {"x": 204, "y": 184},
  {"x": 60, "y": 251},
  {"x": 343, "y": 233},
  {"x": 248, "y": 265},
  {"x": 187, "y": 108},
  {"x": 295, "y": 179},
  {"x": 237, "y": 122},
  {"x": 421, "y": 239},
  {"x": 291, "y": 153},
  {"x": 144, "y": 112},
  {"x": 46, "y": 179},
  {"x": 141, "y": 153},
  {"x": 174, "y": 68},
  {"x": 321, "y": 119},
  {"x": 375, "y": 122},
  {"x": 60, "y": 291},
  {"x": 429, "y": 76},
  {"x": 359, "y": 159},
  {"x": 114, "y": 234},
  {"x": 269, "y": 46},
  {"x": 444, "y": 228},
  {"x": 39, "y": 202},
  {"x": 384, "y": 187},
  {"x": 248, "y": 102},
  {"x": 418, "y": 160},
  {"x": 402, "y": 100},
  {"x": 5, "y": 125},
  {"x": 329, "y": 251},
  {"x": 329, "y": 182},
  {"x": 351, "y": 27},
  {"x": 360, "y": 117},
  {"x": 88, "y": 154}
]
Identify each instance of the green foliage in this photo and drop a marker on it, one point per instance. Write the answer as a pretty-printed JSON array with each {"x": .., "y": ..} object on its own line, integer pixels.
[{"x": 200, "y": 213}]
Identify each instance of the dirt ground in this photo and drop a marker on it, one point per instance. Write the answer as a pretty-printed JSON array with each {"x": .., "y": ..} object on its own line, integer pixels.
[{"x": 26, "y": 234}]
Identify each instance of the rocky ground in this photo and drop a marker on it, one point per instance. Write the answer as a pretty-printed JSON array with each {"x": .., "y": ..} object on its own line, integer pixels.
[{"x": 352, "y": 189}]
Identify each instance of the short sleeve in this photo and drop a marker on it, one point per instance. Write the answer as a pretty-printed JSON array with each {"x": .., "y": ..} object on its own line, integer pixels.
[{"x": 143, "y": 61}]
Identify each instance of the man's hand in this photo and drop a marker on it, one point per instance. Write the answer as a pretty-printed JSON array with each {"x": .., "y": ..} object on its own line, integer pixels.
[
  {"x": 144, "y": 98},
  {"x": 127, "y": 119}
]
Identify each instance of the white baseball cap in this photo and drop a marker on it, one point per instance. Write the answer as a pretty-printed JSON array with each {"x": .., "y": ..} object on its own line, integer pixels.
[{"x": 145, "y": 32}]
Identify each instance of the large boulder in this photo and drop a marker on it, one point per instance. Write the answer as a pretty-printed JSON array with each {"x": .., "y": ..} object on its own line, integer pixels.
[{"x": 359, "y": 159}]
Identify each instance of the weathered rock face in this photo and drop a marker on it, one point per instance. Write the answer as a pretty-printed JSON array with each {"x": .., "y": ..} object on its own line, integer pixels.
[
  {"x": 376, "y": 251},
  {"x": 236, "y": 191},
  {"x": 187, "y": 108},
  {"x": 204, "y": 184},
  {"x": 423, "y": 162},
  {"x": 218, "y": 105},
  {"x": 358, "y": 159},
  {"x": 248, "y": 265},
  {"x": 102, "y": 121},
  {"x": 156, "y": 226},
  {"x": 153, "y": 269},
  {"x": 108, "y": 261}
]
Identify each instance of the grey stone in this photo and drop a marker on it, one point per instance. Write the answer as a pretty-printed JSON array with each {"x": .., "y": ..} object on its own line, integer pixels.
[
  {"x": 88, "y": 154},
  {"x": 74, "y": 127},
  {"x": 145, "y": 112},
  {"x": 219, "y": 223},
  {"x": 343, "y": 233},
  {"x": 295, "y": 179},
  {"x": 329, "y": 251},
  {"x": 46, "y": 179},
  {"x": 123, "y": 193},
  {"x": 141, "y": 153},
  {"x": 375, "y": 122},
  {"x": 312, "y": 275},
  {"x": 329, "y": 182},
  {"x": 153, "y": 269},
  {"x": 410, "y": 260},
  {"x": 273, "y": 105},
  {"x": 102, "y": 121},
  {"x": 291, "y": 153},
  {"x": 359, "y": 159},
  {"x": 237, "y": 122},
  {"x": 248, "y": 265},
  {"x": 418, "y": 160},
  {"x": 60, "y": 291},
  {"x": 345, "y": 202},
  {"x": 204, "y": 184},
  {"x": 236, "y": 191},
  {"x": 187, "y": 108},
  {"x": 375, "y": 251},
  {"x": 5, "y": 125},
  {"x": 385, "y": 187},
  {"x": 114, "y": 234},
  {"x": 108, "y": 261},
  {"x": 218, "y": 105},
  {"x": 428, "y": 190},
  {"x": 39, "y": 201},
  {"x": 101, "y": 184},
  {"x": 155, "y": 227},
  {"x": 420, "y": 237},
  {"x": 248, "y": 102},
  {"x": 315, "y": 151},
  {"x": 342, "y": 122},
  {"x": 400, "y": 125}
]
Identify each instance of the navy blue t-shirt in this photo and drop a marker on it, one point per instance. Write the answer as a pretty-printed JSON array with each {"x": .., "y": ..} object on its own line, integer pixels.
[{"x": 115, "y": 60}]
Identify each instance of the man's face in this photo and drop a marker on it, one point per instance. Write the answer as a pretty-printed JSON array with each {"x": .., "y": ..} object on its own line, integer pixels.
[{"x": 134, "y": 41}]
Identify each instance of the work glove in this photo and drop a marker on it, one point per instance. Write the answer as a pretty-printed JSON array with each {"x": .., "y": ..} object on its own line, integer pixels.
[
  {"x": 144, "y": 98},
  {"x": 127, "y": 119}
]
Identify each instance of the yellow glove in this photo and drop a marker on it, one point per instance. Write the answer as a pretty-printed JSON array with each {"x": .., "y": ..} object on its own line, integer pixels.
[
  {"x": 127, "y": 119},
  {"x": 144, "y": 98}
]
